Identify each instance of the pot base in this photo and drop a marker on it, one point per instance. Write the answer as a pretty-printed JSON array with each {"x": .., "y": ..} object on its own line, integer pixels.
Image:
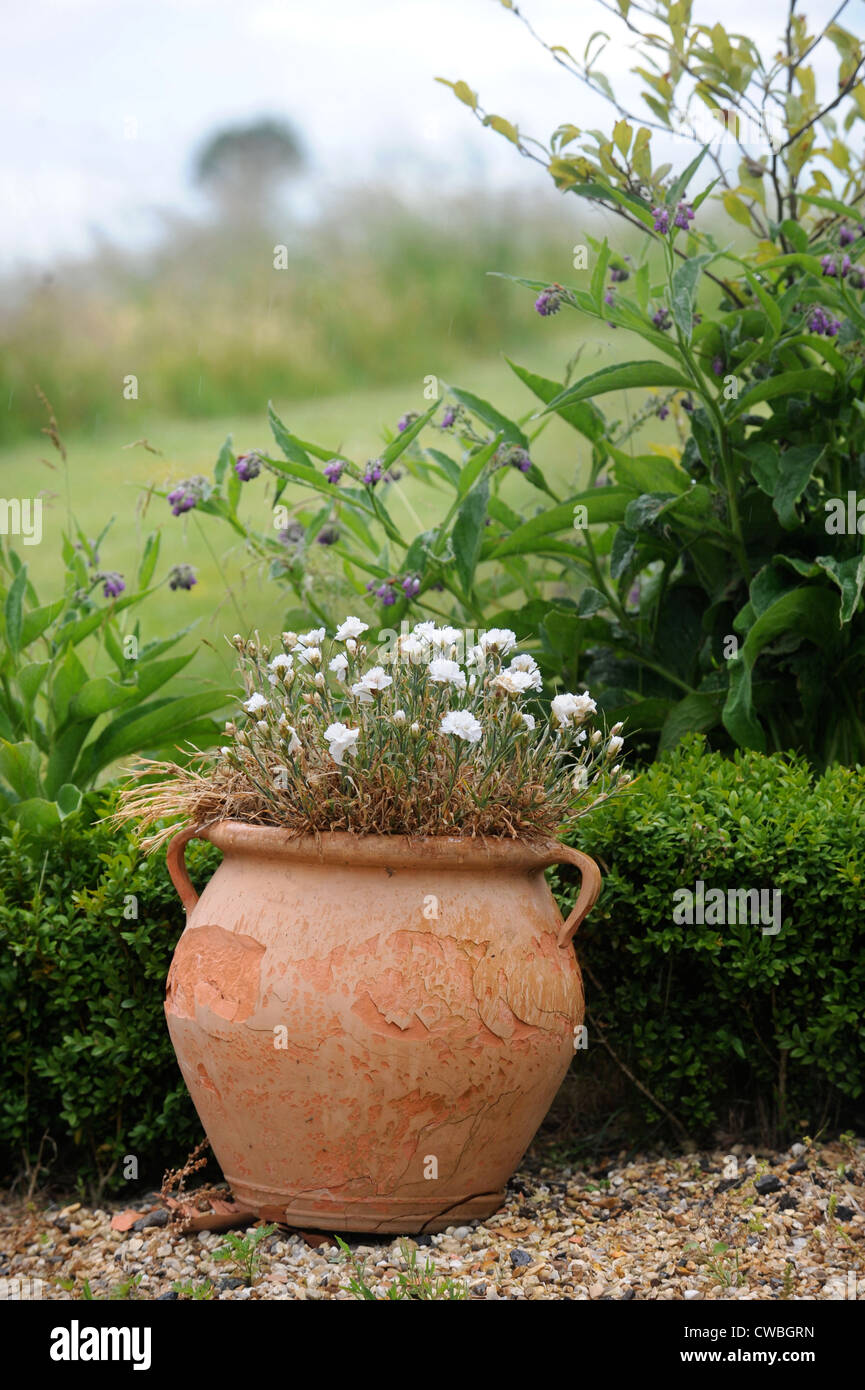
[{"x": 388, "y": 1215}]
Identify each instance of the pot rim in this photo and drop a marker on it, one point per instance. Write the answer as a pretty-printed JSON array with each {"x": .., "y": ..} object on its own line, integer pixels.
[{"x": 347, "y": 847}]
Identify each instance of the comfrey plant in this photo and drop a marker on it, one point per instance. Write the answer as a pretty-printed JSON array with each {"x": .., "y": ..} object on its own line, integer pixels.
[
  {"x": 405, "y": 740},
  {"x": 727, "y": 584}
]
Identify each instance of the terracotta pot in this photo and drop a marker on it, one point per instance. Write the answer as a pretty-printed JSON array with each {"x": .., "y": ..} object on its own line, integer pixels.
[{"x": 373, "y": 1028}]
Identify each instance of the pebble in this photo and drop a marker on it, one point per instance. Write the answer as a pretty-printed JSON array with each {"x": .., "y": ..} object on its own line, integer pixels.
[{"x": 618, "y": 1228}]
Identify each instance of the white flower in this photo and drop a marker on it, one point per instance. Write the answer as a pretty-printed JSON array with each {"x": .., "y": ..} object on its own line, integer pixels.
[
  {"x": 313, "y": 638},
  {"x": 255, "y": 703},
  {"x": 528, "y": 720},
  {"x": 341, "y": 740},
  {"x": 614, "y": 771},
  {"x": 415, "y": 728},
  {"x": 446, "y": 672},
  {"x": 617, "y": 728},
  {"x": 375, "y": 681},
  {"x": 463, "y": 725},
  {"x": 412, "y": 647},
  {"x": 310, "y": 656},
  {"x": 399, "y": 716},
  {"x": 514, "y": 682},
  {"x": 351, "y": 627},
  {"x": 572, "y": 709},
  {"x": 261, "y": 726},
  {"x": 282, "y": 663},
  {"x": 614, "y": 745},
  {"x": 524, "y": 662},
  {"x": 339, "y": 665},
  {"x": 498, "y": 639},
  {"x": 425, "y": 632},
  {"x": 286, "y": 729},
  {"x": 445, "y": 636},
  {"x": 225, "y": 749},
  {"x": 596, "y": 737}
]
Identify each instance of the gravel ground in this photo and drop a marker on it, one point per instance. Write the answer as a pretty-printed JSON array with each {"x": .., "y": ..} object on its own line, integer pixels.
[{"x": 701, "y": 1226}]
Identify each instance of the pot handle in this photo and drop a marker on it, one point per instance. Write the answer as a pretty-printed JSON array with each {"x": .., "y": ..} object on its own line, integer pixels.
[
  {"x": 176, "y": 860},
  {"x": 589, "y": 888}
]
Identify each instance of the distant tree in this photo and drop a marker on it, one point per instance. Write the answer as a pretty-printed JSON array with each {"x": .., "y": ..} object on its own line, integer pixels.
[{"x": 242, "y": 166}]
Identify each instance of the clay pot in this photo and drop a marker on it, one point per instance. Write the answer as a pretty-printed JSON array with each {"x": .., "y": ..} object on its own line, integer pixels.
[{"x": 373, "y": 1028}]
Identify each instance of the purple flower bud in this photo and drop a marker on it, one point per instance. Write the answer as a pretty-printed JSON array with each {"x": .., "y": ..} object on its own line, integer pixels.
[
  {"x": 113, "y": 585},
  {"x": 512, "y": 456},
  {"x": 328, "y": 535},
  {"x": 407, "y": 420},
  {"x": 662, "y": 220},
  {"x": 609, "y": 298},
  {"x": 661, "y": 319},
  {"x": 820, "y": 321},
  {"x": 717, "y": 365},
  {"x": 387, "y": 594},
  {"x": 373, "y": 473},
  {"x": 663, "y": 412},
  {"x": 293, "y": 534},
  {"x": 550, "y": 300},
  {"x": 618, "y": 273},
  {"x": 247, "y": 467},
  {"x": 684, "y": 216},
  {"x": 846, "y": 236},
  {"x": 448, "y": 418},
  {"x": 182, "y": 577},
  {"x": 188, "y": 494},
  {"x": 411, "y": 585},
  {"x": 687, "y": 404},
  {"x": 333, "y": 470},
  {"x": 846, "y": 266},
  {"x": 857, "y": 278},
  {"x": 828, "y": 265}
]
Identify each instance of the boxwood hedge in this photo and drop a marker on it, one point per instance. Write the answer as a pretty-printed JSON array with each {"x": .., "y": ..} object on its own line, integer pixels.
[{"x": 727, "y": 1026}]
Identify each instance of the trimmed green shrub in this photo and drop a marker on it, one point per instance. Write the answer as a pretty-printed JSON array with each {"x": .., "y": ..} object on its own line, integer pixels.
[
  {"x": 89, "y": 1074},
  {"x": 730, "y": 1026}
]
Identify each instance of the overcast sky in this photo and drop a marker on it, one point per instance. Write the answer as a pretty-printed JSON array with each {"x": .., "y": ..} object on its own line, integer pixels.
[{"x": 104, "y": 101}]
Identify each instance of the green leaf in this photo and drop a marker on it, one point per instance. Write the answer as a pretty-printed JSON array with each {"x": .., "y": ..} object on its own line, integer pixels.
[
  {"x": 14, "y": 610},
  {"x": 20, "y": 765},
  {"x": 849, "y": 575},
  {"x": 490, "y": 416},
  {"x": 30, "y": 677},
  {"x": 38, "y": 619},
  {"x": 628, "y": 376},
  {"x": 68, "y": 799},
  {"x": 786, "y": 384},
  {"x": 475, "y": 466},
  {"x": 807, "y": 612},
  {"x": 402, "y": 441},
  {"x": 289, "y": 443},
  {"x": 147, "y": 728},
  {"x": 648, "y": 472},
  {"x": 694, "y": 714},
  {"x": 468, "y": 531},
  {"x": 148, "y": 559},
  {"x": 680, "y": 185},
  {"x": 795, "y": 467},
  {"x": 36, "y": 815},
  {"x": 224, "y": 461},
  {"x": 686, "y": 278},
  {"x": 99, "y": 695}
]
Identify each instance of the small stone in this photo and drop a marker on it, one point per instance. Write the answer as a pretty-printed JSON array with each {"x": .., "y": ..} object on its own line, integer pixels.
[
  {"x": 769, "y": 1183},
  {"x": 844, "y": 1213},
  {"x": 151, "y": 1218},
  {"x": 520, "y": 1257}
]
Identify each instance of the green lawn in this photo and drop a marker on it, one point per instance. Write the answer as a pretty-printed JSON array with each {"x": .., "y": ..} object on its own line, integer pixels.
[{"x": 108, "y": 478}]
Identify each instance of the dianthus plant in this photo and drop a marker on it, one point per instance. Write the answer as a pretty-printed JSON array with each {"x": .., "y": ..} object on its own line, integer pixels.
[{"x": 407, "y": 739}]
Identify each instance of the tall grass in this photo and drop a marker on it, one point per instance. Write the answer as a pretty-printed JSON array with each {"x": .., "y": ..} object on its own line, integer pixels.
[{"x": 372, "y": 294}]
